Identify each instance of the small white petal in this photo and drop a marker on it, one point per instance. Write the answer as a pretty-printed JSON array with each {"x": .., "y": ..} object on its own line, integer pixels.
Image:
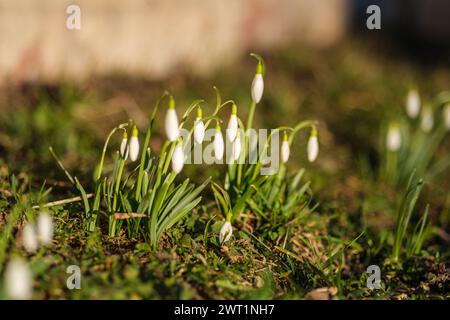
[
  {"x": 171, "y": 125},
  {"x": 29, "y": 237},
  {"x": 134, "y": 148},
  {"x": 285, "y": 151},
  {"x": 199, "y": 131},
  {"x": 427, "y": 120},
  {"x": 393, "y": 139},
  {"x": 18, "y": 282},
  {"x": 446, "y": 112},
  {"x": 225, "y": 232},
  {"x": 413, "y": 104},
  {"x": 124, "y": 148},
  {"x": 236, "y": 148},
  {"x": 45, "y": 228},
  {"x": 257, "y": 87},
  {"x": 218, "y": 145},
  {"x": 313, "y": 148},
  {"x": 232, "y": 128},
  {"x": 177, "y": 159}
]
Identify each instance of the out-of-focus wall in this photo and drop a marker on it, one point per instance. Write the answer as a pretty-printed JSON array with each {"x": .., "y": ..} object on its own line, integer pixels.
[{"x": 153, "y": 37}]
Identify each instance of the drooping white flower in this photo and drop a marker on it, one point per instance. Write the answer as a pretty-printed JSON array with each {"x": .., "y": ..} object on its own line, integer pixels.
[
  {"x": 44, "y": 226},
  {"x": 18, "y": 282},
  {"x": 427, "y": 120},
  {"x": 393, "y": 138},
  {"x": 225, "y": 232},
  {"x": 171, "y": 123},
  {"x": 29, "y": 238},
  {"x": 178, "y": 158},
  {"x": 218, "y": 144},
  {"x": 134, "y": 144},
  {"x": 232, "y": 124},
  {"x": 199, "y": 128},
  {"x": 313, "y": 146},
  {"x": 285, "y": 150},
  {"x": 446, "y": 114},
  {"x": 236, "y": 147},
  {"x": 413, "y": 103},
  {"x": 257, "y": 87},
  {"x": 124, "y": 148}
]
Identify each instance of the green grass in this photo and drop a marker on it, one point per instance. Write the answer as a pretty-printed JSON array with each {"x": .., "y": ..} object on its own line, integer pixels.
[{"x": 330, "y": 220}]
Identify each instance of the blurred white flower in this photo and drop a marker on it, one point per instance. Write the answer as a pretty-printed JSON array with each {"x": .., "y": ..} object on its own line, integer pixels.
[
  {"x": 393, "y": 138},
  {"x": 257, "y": 87},
  {"x": 232, "y": 124},
  {"x": 285, "y": 150},
  {"x": 236, "y": 147},
  {"x": 171, "y": 124},
  {"x": 18, "y": 282},
  {"x": 124, "y": 146},
  {"x": 218, "y": 144},
  {"x": 413, "y": 104},
  {"x": 134, "y": 144},
  {"x": 313, "y": 146},
  {"x": 199, "y": 127},
  {"x": 427, "y": 120},
  {"x": 225, "y": 232},
  {"x": 178, "y": 158},
  {"x": 44, "y": 228},
  {"x": 29, "y": 237},
  {"x": 446, "y": 112}
]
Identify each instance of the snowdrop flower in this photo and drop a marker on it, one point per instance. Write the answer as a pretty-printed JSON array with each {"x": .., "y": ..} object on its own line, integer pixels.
[
  {"x": 124, "y": 146},
  {"x": 258, "y": 84},
  {"x": 29, "y": 238},
  {"x": 285, "y": 151},
  {"x": 393, "y": 138},
  {"x": 178, "y": 157},
  {"x": 172, "y": 130},
  {"x": 313, "y": 146},
  {"x": 218, "y": 144},
  {"x": 199, "y": 127},
  {"x": 134, "y": 144},
  {"x": 232, "y": 124},
  {"x": 446, "y": 112},
  {"x": 18, "y": 282},
  {"x": 45, "y": 228},
  {"x": 225, "y": 232},
  {"x": 413, "y": 104},
  {"x": 237, "y": 147},
  {"x": 427, "y": 120}
]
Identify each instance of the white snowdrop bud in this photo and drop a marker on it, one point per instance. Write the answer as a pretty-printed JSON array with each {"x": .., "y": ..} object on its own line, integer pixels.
[
  {"x": 134, "y": 144},
  {"x": 171, "y": 124},
  {"x": 218, "y": 144},
  {"x": 393, "y": 138},
  {"x": 178, "y": 158},
  {"x": 258, "y": 84},
  {"x": 232, "y": 124},
  {"x": 18, "y": 282},
  {"x": 413, "y": 104},
  {"x": 124, "y": 146},
  {"x": 199, "y": 127},
  {"x": 313, "y": 146},
  {"x": 45, "y": 228},
  {"x": 446, "y": 114},
  {"x": 225, "y": 232},
  {"x": 427, "y": 120},
  {"x": 285, "y": 150},
  {"x": 29, "y": 238},
  {"x": 237, "y": 147}
]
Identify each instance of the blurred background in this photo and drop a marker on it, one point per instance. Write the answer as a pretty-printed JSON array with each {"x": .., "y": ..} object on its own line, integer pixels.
[{"x": 156, "y": 38}]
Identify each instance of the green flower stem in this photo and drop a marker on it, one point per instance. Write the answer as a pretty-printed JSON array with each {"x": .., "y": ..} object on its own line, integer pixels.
[{"x": 102, "y": 160}]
